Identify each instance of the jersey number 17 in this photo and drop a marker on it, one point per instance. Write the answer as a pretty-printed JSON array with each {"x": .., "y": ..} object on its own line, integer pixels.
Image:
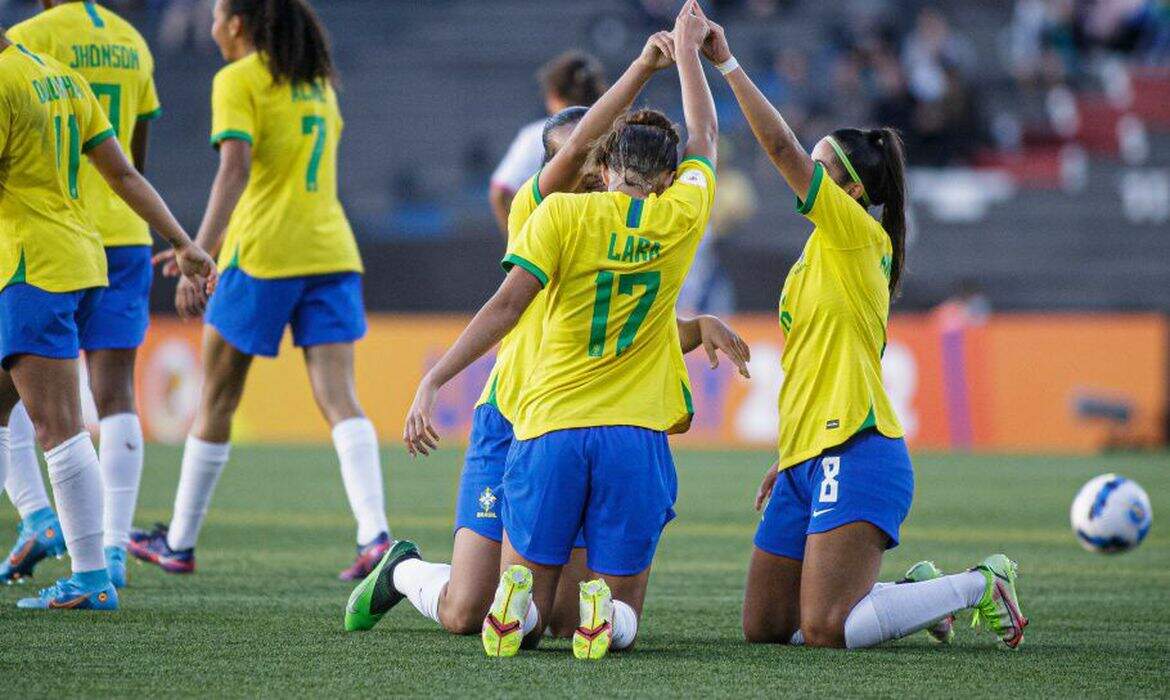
[{"x": 625, "y": 285}]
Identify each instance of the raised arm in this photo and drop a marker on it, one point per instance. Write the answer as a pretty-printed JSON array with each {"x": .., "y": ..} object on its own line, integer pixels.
[
  {"x": 690, "y": 31},
  {"x": 770, "y": 129},
  {"x": 564, "y": 170},
  {"x": 498, "y": 316}
]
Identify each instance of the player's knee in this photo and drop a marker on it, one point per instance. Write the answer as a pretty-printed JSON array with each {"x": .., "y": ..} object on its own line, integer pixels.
[
  {"x": 112, "y": 400},
  {"x": 824, "y": 631},
  {"x": 461, "y": 617},
  {"x": 757, "y": 631},
  {"x": 561, "y": 629}
]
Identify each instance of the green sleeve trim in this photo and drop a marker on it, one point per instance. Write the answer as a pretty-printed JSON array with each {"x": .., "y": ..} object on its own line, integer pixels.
[
  {"x": 804, "y": 207},
  {"x": 154, "y": 114},
  {"x": 513, "y": 260},
  {"x": 231, "y": 134},
  {"x": 536, "y": 186},
  {"x": 97, "y": 140},
  {"x": 701, "y": 159},
  {"x": 690, "y": 402}
]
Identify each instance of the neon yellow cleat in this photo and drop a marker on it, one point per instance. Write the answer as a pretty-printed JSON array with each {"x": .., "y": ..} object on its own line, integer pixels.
[
  {"x": 999, "y": 608},
  {"x": 503, "y": 628},
  {"x": 592, "y": 638},
  {"x": 943, "y": 629}
]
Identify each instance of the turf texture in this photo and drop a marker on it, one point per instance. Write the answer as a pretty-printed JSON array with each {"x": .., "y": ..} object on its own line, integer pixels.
[{"x": 263, "y": 615}]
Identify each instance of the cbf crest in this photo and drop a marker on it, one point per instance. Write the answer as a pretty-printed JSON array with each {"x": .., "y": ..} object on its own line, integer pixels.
[{"x": 487, "y": 504}]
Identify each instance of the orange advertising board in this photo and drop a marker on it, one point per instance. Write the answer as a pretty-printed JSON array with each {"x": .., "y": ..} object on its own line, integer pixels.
[{"x": 1051, "y": 382}]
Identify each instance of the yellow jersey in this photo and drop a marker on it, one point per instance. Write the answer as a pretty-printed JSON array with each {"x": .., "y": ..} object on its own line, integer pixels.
[
  {"x": 612, "y": 266},
  {"x": 519, "y": 347},
  {"x": 289, "y": 221},
  {"x": 50, "y": 119},
  {"x": 114, "y": 58},
  {"x": 833, "y": 313}
]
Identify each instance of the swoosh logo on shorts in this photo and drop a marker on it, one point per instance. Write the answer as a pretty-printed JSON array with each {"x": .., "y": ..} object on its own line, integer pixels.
[{"x": 821, "y": 512}]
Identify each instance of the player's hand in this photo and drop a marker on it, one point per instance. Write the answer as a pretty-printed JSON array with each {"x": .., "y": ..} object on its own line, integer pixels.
[
  {"x": 766, "y": 486},
  {"x": 190, "y": 299},
  {"x": 658, "y": 53},
  {"x": 420, "y": 435},
  {"x": 717, "y": 336},
  {"x": 196, "y": 265},
  {"x": 690, "y": 28},
  {"x": 166, "y": 258},
  {"x": 715, "y": 47}
]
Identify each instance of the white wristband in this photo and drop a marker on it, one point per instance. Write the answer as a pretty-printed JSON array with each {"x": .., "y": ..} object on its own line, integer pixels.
[{"x": 727, "y": 66}]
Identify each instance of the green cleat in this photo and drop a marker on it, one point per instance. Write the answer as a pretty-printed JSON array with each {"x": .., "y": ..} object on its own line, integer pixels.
[
  {"x": 943, "y": 629},
  {"x": 999, "y": 608},
  {"x": 592, "y": 639},
  {"x": 376, "y": 594}
]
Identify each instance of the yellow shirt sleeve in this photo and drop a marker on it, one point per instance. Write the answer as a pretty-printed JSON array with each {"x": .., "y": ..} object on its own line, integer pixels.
[
  {"x": 840, "y": 220},
  {"x": 233, "y": 115},
  {"x": 538, "y": 247},
  {"x": 692, "y": 194},
  {"x": 94, "y": 124},
  {"x": 149, "y": 106},
  {"x": 525, "y": 202}
]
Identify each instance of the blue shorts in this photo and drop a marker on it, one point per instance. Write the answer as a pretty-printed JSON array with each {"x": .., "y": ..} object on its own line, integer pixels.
[
  {"x": 477, "y": 507},
  {"x": 251, "y": 313},
  {"x": 119, "y": 322},
  {"x": 45, "y": 324},
  {"x": 616, "y": 484},
  {"x": 868, "y": 478}
]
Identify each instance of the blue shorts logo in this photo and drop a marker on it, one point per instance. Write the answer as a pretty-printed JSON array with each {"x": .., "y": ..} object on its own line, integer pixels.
[{"x": 487, "y": 504}]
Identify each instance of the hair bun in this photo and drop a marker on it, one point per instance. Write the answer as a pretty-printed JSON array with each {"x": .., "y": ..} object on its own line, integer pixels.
[{"x": 655, "y": 119}]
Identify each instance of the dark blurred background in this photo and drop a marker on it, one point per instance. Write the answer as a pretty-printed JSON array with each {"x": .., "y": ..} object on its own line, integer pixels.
[{"x": 1038, "y": 132}]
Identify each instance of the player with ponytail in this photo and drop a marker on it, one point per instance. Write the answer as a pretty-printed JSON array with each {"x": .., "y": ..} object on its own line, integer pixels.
[
  {"x": 288, "y": 258},
  {"x": 843, "y": 482}
]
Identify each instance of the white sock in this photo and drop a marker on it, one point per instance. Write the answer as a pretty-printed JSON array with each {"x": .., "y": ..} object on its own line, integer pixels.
[
  {"x": 531, "y": 619},
  {"x": 25, "y": 486},
  {"x": 625, "y": 625},
  {"x": 422, "y": 583},
  {"x": 797, "y": 639},
  {"x": 77, "y": 486},
  {"x": 3, "y": 456},
  {"x": 203, "y": 462},
  {"x": 892, "y": 612},
  {"x": 120, "y": 454},
  {"x": 361, "y": 471}
]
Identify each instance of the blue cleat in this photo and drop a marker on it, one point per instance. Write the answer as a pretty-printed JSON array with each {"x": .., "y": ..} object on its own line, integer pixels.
[
  {"x": 151, "y": 547},
  {"x": 40, "y": 538},
  {"x": 75, "y": 594},
  {"x": 116, "y": 565}
]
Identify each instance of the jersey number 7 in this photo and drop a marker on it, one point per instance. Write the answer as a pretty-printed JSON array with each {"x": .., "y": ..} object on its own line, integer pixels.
[
  {"x": 626, "y": 284},
  {"x": 309, "y": 124}
]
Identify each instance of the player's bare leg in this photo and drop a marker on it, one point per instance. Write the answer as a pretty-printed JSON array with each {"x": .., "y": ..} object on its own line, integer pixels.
[
  {"x": 331, "y": 375},
  {"x": 225, "y": 373},
  {"x": 840, "y": 568},
  {"x": 565, "y": 615},
  {"x": 771, "y": 605},
  {"x": 514, "y": 618},
  {"x": 475, "y": 571}
]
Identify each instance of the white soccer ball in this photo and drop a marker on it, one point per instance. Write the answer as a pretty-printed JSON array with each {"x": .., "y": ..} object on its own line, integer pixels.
[{"x": 1111, "y": 514}]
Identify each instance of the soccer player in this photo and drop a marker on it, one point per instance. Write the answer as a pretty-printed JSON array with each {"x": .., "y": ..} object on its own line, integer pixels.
[
  {"x": 458, "y": 595},
  {"x": 843, "y": 483},
  {"x": 573, "y": 79},
  {"x": 53, "y": 269},
  {"x": 591, "y": 448},
  {"x": 288, "y": 258},
  {"x": 109, "y": 53}
]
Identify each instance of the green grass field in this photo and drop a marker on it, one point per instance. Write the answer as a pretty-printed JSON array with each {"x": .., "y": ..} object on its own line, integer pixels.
[{"x": 263, "y": 614}]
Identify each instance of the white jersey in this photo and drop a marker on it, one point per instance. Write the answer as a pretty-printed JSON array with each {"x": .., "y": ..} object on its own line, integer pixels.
[{"x": 524, "y": 157}]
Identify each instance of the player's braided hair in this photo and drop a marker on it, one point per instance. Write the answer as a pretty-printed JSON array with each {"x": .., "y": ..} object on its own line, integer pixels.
[
  {"x": 289, "y": 37},
  {"x": 642, "y": 146},
  {"x": 562, "y": 119},
  {"x": 880, "y": 161}
]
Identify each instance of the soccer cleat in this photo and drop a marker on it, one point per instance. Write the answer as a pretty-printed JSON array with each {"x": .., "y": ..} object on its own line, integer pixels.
[
  {"x": 503, "y": 628},
  {"x": 152, "y": 547},
  {"x": 592, "y": 638},
  {"x": 116, "y": 565},
  {"x": 69, "y": 594},
  {"x": 376, "y": 594},
  {"x": 38, "y": 540},
  {"x": 368, "y": 556},
  {"x": 943, "y": 629},
  {"x": 999, "y": 608}
]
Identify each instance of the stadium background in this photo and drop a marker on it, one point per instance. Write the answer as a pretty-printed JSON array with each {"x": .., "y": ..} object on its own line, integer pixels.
[{"x": 1034, "y": 313}]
